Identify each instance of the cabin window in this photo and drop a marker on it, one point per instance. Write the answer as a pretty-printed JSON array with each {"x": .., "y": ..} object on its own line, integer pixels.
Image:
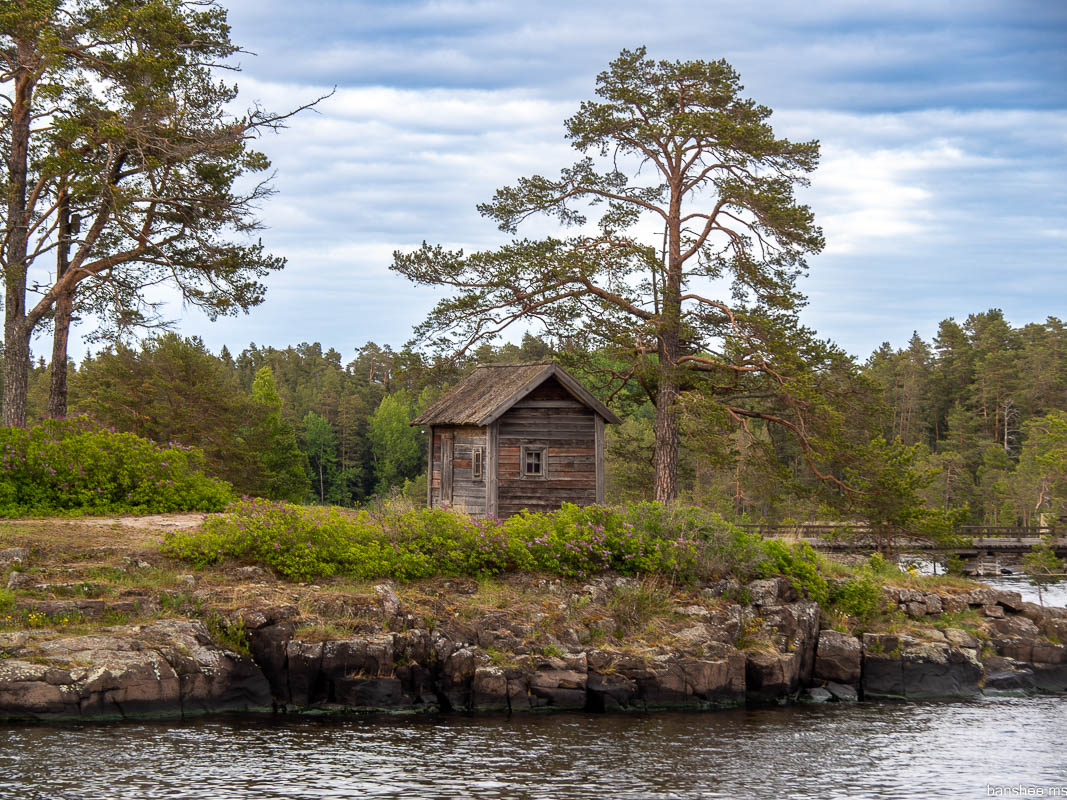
[
  {"x": 534, "y": 462},
  {"x": 477, "y": 462}
]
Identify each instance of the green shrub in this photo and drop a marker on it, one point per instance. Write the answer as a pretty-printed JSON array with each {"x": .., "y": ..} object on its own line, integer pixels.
[
  {"x": 230, "y": 637},
  {"x": 800, "y": 564},
  {"x": 308, "y": 542},
  {"x": 954, "y": 565},
  {"x": 303, "y": 543},
  {"x": 74, "y": 467},
  {"x": 860, "y": 597},
  {"x": 877, "y": 564}
]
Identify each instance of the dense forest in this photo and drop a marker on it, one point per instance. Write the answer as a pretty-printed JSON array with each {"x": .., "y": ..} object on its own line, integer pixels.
[
  {"x": 980, "y": 410},
  {"x": 985, "y": 402}
]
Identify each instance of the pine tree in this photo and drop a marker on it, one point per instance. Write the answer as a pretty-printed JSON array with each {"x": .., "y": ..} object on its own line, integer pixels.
[{"x": 679, "y": 144}]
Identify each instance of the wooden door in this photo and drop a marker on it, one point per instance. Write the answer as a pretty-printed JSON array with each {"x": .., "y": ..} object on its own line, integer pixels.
[{"x": 447, "y": 442}]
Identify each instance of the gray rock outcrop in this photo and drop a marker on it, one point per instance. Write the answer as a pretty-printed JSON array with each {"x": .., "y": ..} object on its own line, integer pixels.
[
  {"x": 838, "y": 658},
  {"x": 162, "y": 668},
  {"x": 497, "y": 662}
]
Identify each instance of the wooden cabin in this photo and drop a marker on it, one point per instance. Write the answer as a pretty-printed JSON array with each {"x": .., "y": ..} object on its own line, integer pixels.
[{"x": 515, "y": 436}]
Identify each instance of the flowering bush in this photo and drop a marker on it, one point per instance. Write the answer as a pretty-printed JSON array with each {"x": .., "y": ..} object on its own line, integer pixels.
[
  {"x": 306, "y": 542},
  {"x": 72, "y": 466}
]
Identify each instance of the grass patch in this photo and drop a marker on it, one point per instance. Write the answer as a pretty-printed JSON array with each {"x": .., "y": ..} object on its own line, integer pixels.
[
  {"x": 635, "y": 607},
  {"x": 152, "y": 578},
  {"x": 498, "y": 658},
  {"x": 888, "y": 573},
  {"x": 969, "y": 620},
  {"x": 22, "y": 619},
  {"x": 321, "y": 632},
  {"x": 181, "y": 603},
  {"x": 753, "y": 636}
]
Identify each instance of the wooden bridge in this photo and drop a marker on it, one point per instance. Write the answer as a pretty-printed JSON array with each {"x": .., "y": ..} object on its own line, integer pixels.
[{"x": 982, "y": 547}]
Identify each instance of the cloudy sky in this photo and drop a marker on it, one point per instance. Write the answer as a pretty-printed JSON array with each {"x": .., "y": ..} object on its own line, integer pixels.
[{"x": 942, "y": 189}]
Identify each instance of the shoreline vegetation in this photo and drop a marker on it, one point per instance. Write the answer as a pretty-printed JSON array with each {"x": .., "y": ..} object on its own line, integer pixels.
[
  {"x": 75, "y": 467},
  {"x": 275, "y": 606}
]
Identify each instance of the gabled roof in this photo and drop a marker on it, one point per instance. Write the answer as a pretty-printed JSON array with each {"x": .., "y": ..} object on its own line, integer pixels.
[{"x": 484, "y": 395}]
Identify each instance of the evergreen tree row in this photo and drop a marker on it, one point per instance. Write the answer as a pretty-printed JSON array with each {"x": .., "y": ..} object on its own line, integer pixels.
[{"x": 981, "y": 411}]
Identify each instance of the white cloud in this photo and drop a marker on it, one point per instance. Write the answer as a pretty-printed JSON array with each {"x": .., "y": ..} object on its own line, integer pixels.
[{"x": 943, "y": 140}]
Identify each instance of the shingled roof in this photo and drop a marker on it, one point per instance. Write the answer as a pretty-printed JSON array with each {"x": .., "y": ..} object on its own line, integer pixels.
[{"x": 489, "y": 391}]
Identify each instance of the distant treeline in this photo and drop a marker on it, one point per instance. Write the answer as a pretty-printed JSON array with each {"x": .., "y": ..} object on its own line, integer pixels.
[
  {"x": 986, "y": 401},
  {"x": 305, "y": 424}
]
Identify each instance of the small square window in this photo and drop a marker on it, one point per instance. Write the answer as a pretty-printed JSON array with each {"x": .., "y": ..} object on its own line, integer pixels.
[
  {"x": 533, "y": 462},
  {"x": 477, "y": 463}
]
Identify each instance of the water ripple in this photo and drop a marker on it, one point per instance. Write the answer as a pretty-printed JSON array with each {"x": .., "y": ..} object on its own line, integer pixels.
[{"x": 870, "y": 750}]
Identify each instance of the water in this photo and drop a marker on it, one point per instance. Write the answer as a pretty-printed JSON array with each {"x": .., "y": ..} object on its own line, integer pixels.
[
  {"x": 1054, "y": 595},
  {"x": 956, "y": 749}
]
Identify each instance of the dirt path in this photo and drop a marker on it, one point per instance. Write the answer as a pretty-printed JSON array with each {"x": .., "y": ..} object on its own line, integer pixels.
[
  {"x": 127, "y": 532},
  {"x": 151, "y": 521}
]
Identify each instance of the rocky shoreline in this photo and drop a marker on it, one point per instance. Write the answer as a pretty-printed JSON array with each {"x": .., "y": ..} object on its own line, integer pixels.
[{"x": 775, "y": 648}]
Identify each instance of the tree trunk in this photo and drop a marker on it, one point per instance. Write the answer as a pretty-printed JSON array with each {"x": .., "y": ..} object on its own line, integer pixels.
[
  {"x": 668, "y": 417},
  {"x": 16, "y": 329},
  {"x": 666, "y": 426},
  {"x": 737, "y": 490},
  {"x": 57, "y": 389},
  {"x": 16, "y": 368},
  {"x": 64, "y": 309}
]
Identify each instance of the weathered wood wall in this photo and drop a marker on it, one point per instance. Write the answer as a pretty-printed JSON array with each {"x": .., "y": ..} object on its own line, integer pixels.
[
  {"x": 549, "y": 416},
  {"x": 467, "y": 494}
]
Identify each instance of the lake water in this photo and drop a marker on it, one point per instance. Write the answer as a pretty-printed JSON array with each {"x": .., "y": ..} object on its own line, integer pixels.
[
  {"x": 928, "y": 750},
  {"x": 1052, "y": 594}
]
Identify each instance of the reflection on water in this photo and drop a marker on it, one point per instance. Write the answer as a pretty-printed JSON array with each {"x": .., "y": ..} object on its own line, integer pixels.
[{"x": 831, "y": 751}]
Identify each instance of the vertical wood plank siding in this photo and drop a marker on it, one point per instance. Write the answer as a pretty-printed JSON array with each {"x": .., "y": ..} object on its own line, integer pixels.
[
  {"x": 492, "y": 506},
  {"x": 429, "y": 478},
  {"x": 468, "y": 494},
  {"x": 548, "y": 417},
  {"x": 599, "y": 463},
  {"x": 447, "y": 466}
]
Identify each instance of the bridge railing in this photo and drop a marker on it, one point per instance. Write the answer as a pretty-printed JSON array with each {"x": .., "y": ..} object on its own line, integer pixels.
[
  {"x": 1009, "y": 531},
  {"x": 853, "y": 531}
]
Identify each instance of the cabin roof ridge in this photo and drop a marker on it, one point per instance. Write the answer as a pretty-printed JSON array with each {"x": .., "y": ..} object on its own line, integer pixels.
[
  {"x": 498, "y": 364},
  {"x": 488, "y": 391}
]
